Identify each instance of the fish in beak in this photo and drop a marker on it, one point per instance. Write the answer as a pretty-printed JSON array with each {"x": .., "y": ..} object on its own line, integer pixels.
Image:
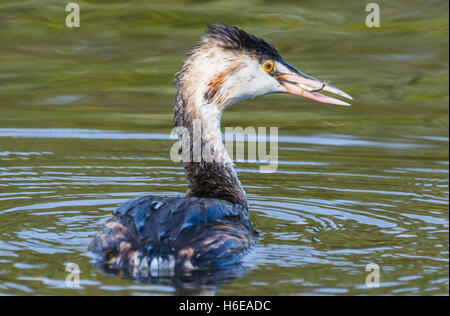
[{"x": 304, "y": 85}]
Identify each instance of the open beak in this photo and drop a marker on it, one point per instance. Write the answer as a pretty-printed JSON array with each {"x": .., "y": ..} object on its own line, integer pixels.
[{"x": 301, "y": 84}]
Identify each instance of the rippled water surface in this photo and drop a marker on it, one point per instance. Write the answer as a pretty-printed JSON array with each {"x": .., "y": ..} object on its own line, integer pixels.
[{"x": 85, "y": 117}]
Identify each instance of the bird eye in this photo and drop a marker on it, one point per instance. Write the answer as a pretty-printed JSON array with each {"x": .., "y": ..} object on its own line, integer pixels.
[{"x": 268, "y": 65}]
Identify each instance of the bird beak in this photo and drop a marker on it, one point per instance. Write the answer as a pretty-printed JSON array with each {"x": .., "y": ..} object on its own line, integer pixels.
[{"x": 301, "y": 84}]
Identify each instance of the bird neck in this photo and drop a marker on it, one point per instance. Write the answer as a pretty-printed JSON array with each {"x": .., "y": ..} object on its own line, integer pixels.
[{"x": 209, "y": 169}]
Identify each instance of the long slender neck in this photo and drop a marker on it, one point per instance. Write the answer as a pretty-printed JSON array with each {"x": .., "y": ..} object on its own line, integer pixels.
[{"x": 209, "y": 169}]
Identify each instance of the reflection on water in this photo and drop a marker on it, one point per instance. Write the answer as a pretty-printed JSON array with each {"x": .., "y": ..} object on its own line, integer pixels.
[
  {"x": 198, "y": 282},
  {"x": 85, "y": 117}
]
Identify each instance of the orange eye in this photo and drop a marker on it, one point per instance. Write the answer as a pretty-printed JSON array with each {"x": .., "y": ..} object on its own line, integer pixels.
[{"x": 268, "y": 65}]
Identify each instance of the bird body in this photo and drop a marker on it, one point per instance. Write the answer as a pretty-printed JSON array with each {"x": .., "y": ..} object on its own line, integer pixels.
[{"x": 168, "y": 234}]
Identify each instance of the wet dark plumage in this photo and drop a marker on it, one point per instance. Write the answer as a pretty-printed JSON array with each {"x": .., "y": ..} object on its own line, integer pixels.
[{"x": 192, "y": 232}]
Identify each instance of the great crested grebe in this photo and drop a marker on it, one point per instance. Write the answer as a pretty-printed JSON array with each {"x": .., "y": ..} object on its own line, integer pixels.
[{"x": 210, "y": 226}]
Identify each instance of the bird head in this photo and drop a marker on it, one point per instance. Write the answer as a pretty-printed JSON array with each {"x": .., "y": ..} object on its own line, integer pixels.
[{"x": 229, "y": 65}]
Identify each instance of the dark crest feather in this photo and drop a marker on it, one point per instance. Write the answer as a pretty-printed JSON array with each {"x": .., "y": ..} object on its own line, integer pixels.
[{"x": 231, "y": 37}]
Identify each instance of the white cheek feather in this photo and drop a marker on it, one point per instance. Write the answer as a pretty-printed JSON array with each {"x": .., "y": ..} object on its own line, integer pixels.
[
  {"x": 248, "y": 82},
  {"x": 252, "y": 81}
]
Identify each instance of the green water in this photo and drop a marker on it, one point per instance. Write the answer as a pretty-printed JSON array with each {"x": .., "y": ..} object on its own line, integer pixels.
[{"x": 358, "y": 185}]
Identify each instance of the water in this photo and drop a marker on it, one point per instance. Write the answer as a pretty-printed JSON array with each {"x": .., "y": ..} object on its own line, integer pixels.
[{"x": 85, "y": 121}]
